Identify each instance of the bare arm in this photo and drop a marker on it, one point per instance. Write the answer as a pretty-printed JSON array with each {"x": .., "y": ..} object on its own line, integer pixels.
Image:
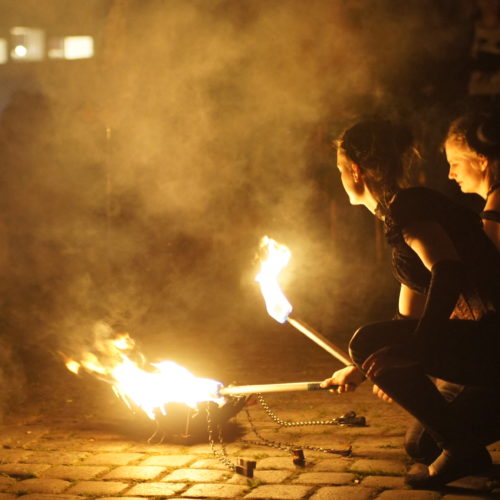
[
  {"x": 430, "y": 242},
  {"x": 411, "y": 303},
  {"x": 492, "y": 230},
  {"x": 439, "y": 255}
]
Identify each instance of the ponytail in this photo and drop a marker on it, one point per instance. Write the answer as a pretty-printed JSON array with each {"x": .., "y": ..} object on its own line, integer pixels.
[{"x": 383, "y": 151}]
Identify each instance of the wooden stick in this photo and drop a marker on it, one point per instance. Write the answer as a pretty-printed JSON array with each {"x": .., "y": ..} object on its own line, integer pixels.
[{"x": 321, "y": 341}]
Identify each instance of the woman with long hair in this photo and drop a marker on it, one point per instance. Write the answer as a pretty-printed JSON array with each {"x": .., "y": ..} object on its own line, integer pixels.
[
  {"x": 472, "y": 148},
  {"x": 445, "y": 263}
]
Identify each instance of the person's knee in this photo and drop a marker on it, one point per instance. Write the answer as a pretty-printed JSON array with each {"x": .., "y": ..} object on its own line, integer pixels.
[{"x": 360, "y": 345}]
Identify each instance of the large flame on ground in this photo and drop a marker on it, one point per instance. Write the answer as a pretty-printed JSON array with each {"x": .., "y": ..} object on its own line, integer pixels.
[
  {"x": 274, "y": 257},
  {"x": 150, "y": 389}
]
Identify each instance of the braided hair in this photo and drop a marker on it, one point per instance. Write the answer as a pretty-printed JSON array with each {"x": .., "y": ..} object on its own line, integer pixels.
[{"x": 383, "y": 151}]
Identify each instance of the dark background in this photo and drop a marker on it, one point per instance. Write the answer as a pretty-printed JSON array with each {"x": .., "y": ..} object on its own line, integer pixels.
[{"x": 136, "y": 185}]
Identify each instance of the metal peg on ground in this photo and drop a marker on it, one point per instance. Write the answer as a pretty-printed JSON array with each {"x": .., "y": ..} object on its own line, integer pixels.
[
  {"x": 298, "y": 457},
  {"x": 245, "y": 467}
]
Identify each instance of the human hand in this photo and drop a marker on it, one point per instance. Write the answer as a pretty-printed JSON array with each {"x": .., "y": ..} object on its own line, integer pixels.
[
  {"x": 388, "y": 358},
  {"x": 347, "y": 379},
  {"x": 381, "y": 394}
]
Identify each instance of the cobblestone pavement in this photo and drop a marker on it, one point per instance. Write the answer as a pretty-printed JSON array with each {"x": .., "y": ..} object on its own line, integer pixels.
[{"x": 90, "y": 446}]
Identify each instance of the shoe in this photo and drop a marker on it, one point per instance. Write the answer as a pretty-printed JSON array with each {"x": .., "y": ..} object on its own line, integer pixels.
[
  {"x": 450, "y": 467},
  {"x": 419, "y": 444}
]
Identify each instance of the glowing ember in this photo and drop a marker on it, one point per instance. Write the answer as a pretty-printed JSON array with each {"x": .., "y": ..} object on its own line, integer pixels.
[
  {"x": 276, "y": 257},
  {"x": 151, "y": 389}
]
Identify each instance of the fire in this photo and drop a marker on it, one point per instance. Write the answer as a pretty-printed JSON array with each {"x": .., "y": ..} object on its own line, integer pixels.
[
  {"x": 150, "y": 389},
  {"x": 276, "y": 258}
]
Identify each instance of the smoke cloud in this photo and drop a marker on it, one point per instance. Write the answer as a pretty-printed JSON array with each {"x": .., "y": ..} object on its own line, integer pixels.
[{"x": 136, "y": 186}]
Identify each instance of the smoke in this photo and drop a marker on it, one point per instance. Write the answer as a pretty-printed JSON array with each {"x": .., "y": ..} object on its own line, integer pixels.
[{"x": 136, "y": 186}]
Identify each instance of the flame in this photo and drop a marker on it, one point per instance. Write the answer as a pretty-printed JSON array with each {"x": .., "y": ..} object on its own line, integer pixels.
[
  {"x": 150, "y": 389},
  {"x": 276, "y": 258}
]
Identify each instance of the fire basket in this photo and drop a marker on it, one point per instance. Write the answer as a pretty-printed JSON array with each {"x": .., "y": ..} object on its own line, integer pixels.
[
  {"x": 178, "y": 421},
  {"x": 181, "y": 423},
  {"x": 188, "y": 408}
]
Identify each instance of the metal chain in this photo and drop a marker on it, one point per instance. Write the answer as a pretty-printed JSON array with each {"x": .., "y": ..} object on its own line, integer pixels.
[
  {"x": 289, "y": 447},
  {"x": 290, "y": 423},
  {"x": 266, "y": 442},
  {"x": 221, "y": 456},
  {"x": 282, "y": 423}
]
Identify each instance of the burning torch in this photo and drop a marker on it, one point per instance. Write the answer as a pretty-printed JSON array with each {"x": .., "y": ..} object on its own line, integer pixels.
[
  {"x": 152, "y": 387},
  {"x": 276, "y": 257}
]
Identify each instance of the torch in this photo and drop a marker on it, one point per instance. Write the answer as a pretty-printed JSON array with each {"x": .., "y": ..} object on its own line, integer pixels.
[
  {"x": 278, "y": 307},
  {"x": 241, "y": 390}
]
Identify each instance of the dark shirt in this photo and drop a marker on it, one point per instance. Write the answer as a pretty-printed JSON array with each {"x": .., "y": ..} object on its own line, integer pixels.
[{"x": 465, "y": 230}]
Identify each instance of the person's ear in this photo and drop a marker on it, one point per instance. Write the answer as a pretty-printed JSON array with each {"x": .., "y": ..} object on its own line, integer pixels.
[
  {"x": 483, "y": 163},
  {"x": 356, "y": 172}
]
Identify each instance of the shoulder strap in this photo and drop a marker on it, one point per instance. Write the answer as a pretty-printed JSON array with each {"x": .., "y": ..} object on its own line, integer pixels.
[{"x": 493, "y": 215}]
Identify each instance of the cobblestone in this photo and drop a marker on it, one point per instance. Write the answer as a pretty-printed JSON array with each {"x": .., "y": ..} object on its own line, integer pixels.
[
  {"x": 112, "y": 458},
  {"x": 384, "y": 482},
  {"x": 73, "y": 473},
  {"x": 55, "y": 457},
  {"x": 209, "y": 463},
  {"x": 56, "y": 460},
  {"x": 332, "y": 465},
  {"x": 378, "y": 466},
  {"x": 277, "y": 463},
  {"x": 14, "y": 456},
  {"x": 44, "y": 496},
  {"x": 98, "y": 488},
  {"x": 263, "y": 476},
  {"x": 411, "y": 495},
  {"x": 21, "y": 470},
  {"x": 280, "y": 491},
  {"x": 155, "y": 489},
  {"x": 215, "y": 491},
  {"x": 325, "y": 478},
  {"x": 346, "y": 493},
  {"x": 40, "y": 486},
  {"x": 196, "y": 475},
  {"x": 136, "y": 473},
  {"x": 171, "y": 460}
]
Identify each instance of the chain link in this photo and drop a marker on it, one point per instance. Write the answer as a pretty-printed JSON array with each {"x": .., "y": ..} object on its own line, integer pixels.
[
  {"x": 222, "y": 455},
  {"x": 282, "y": 423},
  {"x": 288, "y": 447},
  {"x": 290, "y": 423},
  {"x": 265, "y": 442}
]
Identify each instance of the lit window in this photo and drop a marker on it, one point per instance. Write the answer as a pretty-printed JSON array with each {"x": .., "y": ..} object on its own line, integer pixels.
[
  {"x": 28, "y": 44},
  {"x": 78, "y": 47},
  {"x": 3, "y": 51},
  {"x": 71, "y": 47}
]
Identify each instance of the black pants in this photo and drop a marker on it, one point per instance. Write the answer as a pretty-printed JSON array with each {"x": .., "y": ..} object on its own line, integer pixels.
[
  {"x": 464, "y": 352},
  {"x": 479, "y": 406}
]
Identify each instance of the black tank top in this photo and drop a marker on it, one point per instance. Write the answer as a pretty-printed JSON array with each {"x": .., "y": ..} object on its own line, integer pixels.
[{"x": 464, "y": 227}]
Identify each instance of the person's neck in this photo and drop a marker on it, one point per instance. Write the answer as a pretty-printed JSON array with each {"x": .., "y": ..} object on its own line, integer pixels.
[
  {"x": 493, "y": 198},
  {"x": 484, "y": 188},
  {"x": 370, "y": 202}
]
